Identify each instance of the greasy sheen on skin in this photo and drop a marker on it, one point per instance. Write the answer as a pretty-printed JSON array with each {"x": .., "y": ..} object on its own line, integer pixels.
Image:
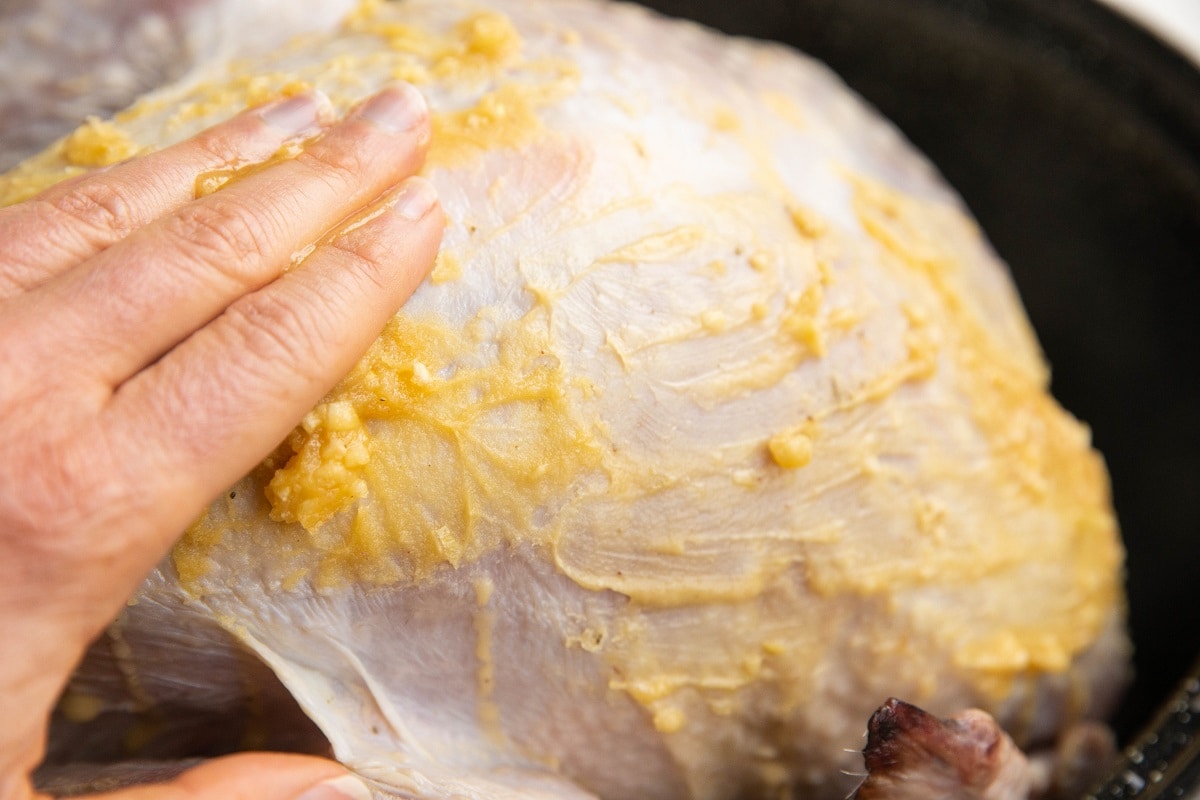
[{"x": 717, "y": 423}]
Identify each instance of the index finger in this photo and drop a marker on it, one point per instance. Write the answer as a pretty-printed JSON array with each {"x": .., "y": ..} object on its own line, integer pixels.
[{"x": 69, "y": 223}]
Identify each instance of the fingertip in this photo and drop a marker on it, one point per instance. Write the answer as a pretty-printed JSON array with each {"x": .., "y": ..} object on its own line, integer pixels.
[
  {"x": 400, "y": 232},
  {"x": 397, "y": 108},
  {"x": 299, "y": 115},
  {"x": 264, "y": 776},
  {"x": 250, "y": 776},
  {"x": 344, "y": 787},
  {"x": 405, "y": 240},
  {"x": 413, "y": 199}
]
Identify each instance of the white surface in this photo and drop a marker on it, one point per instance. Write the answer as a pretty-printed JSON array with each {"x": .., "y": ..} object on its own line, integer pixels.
[{"x": 1177, "y": 21}]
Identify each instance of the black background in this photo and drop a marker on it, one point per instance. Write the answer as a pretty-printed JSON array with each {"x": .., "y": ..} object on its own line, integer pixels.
[{"x": 1075, "y": 139}]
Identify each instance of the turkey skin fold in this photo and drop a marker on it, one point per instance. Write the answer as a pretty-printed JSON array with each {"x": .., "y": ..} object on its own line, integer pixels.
[{"x": 717, "y": 423}]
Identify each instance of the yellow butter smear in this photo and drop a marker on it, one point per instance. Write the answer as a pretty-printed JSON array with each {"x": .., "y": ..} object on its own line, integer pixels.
[
  {"x": 35, "y": 175},
  {"x": 344, "y": 507},
  {"x": 424, "y": 456},
  {"x": 95, "y": 143},
  {"x": 479, "y": 60},
  {"x": 325, "y": 475},
  {"x": 447, "y": 443},
  {"x": 1038, "y": 449}
]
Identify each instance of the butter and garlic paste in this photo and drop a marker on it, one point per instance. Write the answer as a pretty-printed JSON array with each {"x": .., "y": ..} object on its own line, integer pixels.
[{"x": 717, "y": 417}]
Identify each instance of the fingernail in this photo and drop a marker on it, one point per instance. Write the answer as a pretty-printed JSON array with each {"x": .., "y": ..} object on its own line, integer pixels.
[
  {"x": 347, "y": 787},
  {"x": 295, "y": 115},
  {"x": 398, "y": 108},
  {"x": 413, "y": 199}
]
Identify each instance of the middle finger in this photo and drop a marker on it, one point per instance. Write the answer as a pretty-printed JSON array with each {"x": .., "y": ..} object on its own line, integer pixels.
[
  {"x": 73, "y": 221},
  {"x": 138, "y": 299}
]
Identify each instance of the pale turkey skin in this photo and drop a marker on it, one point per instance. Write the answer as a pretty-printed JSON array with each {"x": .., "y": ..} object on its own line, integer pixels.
[{"x": 717, "y": 424}]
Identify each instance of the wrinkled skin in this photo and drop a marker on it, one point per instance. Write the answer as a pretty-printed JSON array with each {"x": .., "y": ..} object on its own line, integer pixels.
[
  {"x": 141, "y": 324},
  {"x": 673, "y": 609}
]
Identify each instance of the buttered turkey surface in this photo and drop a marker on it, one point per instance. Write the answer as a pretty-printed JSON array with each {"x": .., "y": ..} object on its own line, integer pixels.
[{"x": 717, "y": 423}]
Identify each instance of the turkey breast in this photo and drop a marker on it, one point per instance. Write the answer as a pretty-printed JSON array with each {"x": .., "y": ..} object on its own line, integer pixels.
[{"x": 717, "y": 423}]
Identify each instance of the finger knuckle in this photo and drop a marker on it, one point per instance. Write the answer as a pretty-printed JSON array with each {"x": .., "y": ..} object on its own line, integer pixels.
[
  {"x": 339, "y": 164},
  {"x": 272, "y": 327},
  {"x": 61, "y": 485},
  {"x": 368, "y": 260},
  {"x": 98, "y": 205},
  {"x": 223, "y": 144},
  {"x": 223, "y": 234},
  {"x": 193, "y": 401}
]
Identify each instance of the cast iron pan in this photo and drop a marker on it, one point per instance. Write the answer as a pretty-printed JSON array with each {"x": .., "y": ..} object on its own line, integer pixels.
[{"x": 1075, "y": 138}]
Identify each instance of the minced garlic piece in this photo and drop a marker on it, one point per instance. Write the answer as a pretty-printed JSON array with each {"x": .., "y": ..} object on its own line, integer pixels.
[
  {"x": 791, "y": 449},
  {"x": 669, "y": 720},
  {"x": 449, "y": 546},
  {"x": 800, "y": 319},
  {"x": 807, "y": 223},
  {"x": 713, "y": 321},
  {"x": 760, "y": 261},
  {"x": 97, "y": 143},
  {"x": 325, "y": 474},
  {"x": 447, "y": 268},
  {"x": 725, "y": 120},
  {"x": 490, "y": 35}
]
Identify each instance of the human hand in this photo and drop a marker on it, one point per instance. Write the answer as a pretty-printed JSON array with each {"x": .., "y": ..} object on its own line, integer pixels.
[{"x": 154, "y": 347}]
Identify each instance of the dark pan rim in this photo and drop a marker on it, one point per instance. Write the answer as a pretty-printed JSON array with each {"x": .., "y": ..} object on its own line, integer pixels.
[{"x": 1134, "y": 63}]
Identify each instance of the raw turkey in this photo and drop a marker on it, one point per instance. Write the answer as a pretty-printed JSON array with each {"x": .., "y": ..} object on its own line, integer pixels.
[{"x": 717, "y": 423}]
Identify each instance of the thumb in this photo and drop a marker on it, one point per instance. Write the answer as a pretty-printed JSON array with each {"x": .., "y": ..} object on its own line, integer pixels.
[{"x": 257, "y": 776}]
